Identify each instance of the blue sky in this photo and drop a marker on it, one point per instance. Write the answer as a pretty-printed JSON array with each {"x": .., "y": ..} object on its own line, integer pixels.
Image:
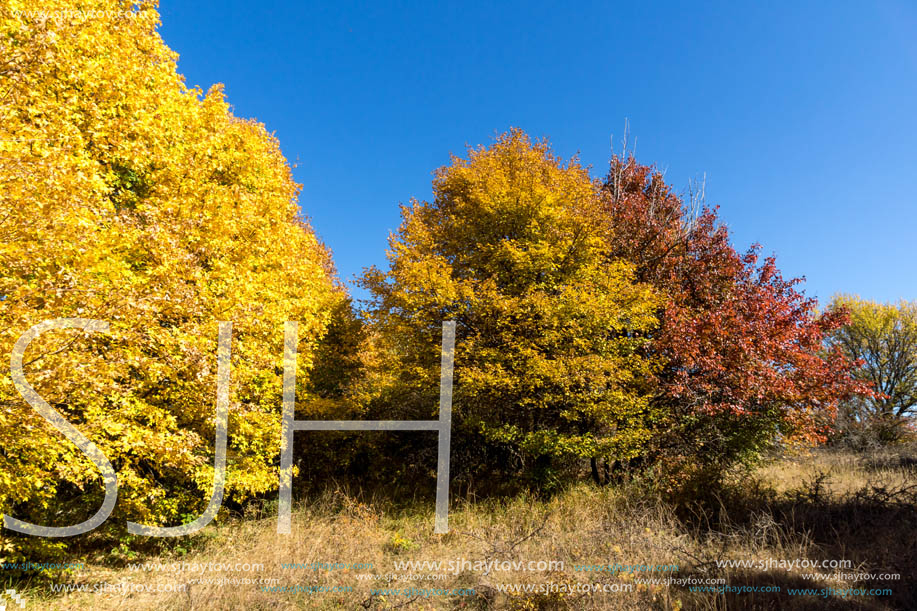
[{"x": 803, "y": 116}]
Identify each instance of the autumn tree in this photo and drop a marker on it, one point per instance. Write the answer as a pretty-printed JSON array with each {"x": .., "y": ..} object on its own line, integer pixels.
[
  {"x": 882, "y": 339},
  {"x": 741, "y": 349},
  {"x": 549, "y": 360},
  {"x": 130, "y": 198}
]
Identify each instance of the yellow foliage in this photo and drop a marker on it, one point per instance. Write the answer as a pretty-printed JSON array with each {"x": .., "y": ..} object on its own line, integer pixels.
[
  {"x": 549, "y": 331},
  {"x": 130, "y": 198}
]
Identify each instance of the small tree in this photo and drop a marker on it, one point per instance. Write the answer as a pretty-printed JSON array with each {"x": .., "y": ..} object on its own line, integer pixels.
[{"x": 882, "y": 337}]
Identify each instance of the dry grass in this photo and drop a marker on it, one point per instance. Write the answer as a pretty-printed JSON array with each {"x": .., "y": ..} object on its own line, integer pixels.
[{"x": 823, "y": 505}]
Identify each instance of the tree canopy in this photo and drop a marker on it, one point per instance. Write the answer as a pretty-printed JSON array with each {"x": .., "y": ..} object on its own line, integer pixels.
[
  {"x": 548, "y": 360},
  {"x": 130, "y": 198},
  {"x": 741, "y": 347},
  {"x": 599, "y": 319}
]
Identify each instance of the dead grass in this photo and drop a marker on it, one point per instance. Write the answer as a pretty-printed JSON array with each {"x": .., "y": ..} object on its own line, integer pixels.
[{"x": 815, "y": 506}]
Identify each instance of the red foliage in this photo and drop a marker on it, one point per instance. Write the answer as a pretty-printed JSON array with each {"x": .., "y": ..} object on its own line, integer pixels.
[{"x": 737, "y": 338}]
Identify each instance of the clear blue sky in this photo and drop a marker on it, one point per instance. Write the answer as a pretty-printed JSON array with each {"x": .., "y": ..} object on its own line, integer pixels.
[{"x": 803, "y": 115}]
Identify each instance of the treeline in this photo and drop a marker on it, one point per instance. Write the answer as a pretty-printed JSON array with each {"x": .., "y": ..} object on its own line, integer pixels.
[{"x": 604, "y": 326}]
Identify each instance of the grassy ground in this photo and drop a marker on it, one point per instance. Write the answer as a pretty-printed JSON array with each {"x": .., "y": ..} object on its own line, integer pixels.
[{"x": 822, "y": 505}]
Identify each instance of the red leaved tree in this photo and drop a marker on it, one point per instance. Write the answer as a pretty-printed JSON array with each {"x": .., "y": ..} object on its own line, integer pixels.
[{"x": 742, "y": 358}]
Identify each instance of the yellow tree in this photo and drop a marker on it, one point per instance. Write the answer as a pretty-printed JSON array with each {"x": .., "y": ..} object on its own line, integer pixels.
[
  {"x": 882, "y": 339},
  {"x": 548, "y": 335},
  {"x": 127, "y": 197}
]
